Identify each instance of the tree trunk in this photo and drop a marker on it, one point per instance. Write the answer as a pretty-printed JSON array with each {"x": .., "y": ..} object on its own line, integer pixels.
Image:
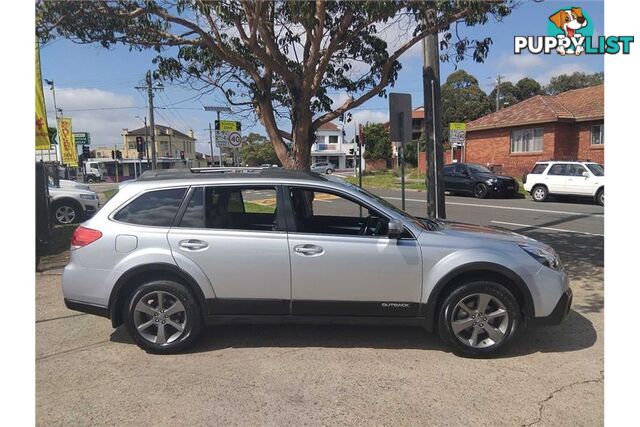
[{"x": 303, "y": 139}]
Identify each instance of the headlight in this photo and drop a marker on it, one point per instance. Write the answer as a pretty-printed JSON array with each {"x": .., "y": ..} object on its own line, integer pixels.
[
  {"x": 546, "y": 257},
  {"x": 88, "y": 196},
  {"x": 492, "y": 181}
]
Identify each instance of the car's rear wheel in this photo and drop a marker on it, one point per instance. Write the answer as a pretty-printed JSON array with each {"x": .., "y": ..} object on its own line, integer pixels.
[
  {"x": 600, "y": 197},
  {"x": 479, "y": 318},
  {"x": 163, "y": 317},
  {"x": 66, "y": 212},
  {"x": 91, "y": 180},
  {"x": 539, "y": 193},
  {"x": 480, "y": 191}
]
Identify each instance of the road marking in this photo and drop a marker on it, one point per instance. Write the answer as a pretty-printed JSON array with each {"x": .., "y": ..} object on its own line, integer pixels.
[
  {"x": 506, "y": 207},
  {"x": 547, "y": 228}
]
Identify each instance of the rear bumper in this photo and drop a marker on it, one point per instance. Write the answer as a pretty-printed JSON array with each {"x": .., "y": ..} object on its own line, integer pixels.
[
  {"x": 558, "y": 314},
  {"x": 84, "y": 307}
]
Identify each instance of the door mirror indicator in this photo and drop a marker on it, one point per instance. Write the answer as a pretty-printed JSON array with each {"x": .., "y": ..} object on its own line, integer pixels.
[{"x": 396, "y": 229}]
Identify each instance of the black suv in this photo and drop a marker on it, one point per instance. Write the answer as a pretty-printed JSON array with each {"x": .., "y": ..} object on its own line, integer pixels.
[{"x": 472, "y": 178}]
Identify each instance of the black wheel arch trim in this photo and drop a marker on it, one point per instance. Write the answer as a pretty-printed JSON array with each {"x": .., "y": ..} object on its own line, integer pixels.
[
  {"x": 429, "y": 310},
  {"x": 192, "y": 284}
]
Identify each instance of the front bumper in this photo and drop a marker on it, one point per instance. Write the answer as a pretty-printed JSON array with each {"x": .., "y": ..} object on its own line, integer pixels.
[
  {"x": 558, "y": 314},
  {"x": 90, "y": 207}
]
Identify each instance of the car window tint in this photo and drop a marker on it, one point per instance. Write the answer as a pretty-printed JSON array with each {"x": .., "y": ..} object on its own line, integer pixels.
[
  {"x": 577, "y": 170},
  {"x": 194, "y": 213},
  {"x": 559, "y": 169},
  {"x": 539, "y": 168},
  {"x": 448, "y": 170},
  {"x": 318, "y": 212},
  {"x": 155, "y": 208},
  {"x": 460, "y": 170},
  {"x": 237, "y": 208}
]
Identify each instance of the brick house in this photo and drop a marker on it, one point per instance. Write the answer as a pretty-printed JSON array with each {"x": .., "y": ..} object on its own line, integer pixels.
[{"x": 568, "y": 126}]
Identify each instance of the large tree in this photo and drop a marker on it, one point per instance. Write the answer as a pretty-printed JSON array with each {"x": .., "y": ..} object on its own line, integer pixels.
[
  {"x": 281, "y": 59},
  {"x": 462, "y": 100},
  {"x": 528, "y": 87},
  {"x": 377, "y": 142},
  {"x": 577, "y": 80}
]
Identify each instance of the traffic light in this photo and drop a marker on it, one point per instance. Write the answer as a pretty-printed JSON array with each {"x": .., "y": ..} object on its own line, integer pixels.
[
  {"x": 357, "y": 139},
  {"x": 119, "y": 154},
  {"x": 86, "y": 153},
  {"x": 113, "y": 156},
  {"x": 140, "y": 144},
  {"x": 182, "y": 155}
]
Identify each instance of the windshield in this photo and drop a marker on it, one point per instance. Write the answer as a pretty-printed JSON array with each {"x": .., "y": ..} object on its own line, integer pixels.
[
  {"x": 596, "y": 169},
  {"x": 479, "y": 168},
  {"x": 425, "y": 223}
]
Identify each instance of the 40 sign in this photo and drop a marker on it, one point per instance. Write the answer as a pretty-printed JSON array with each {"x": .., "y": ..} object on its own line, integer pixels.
[
  {"x": 228, "y": 133},
  {"x": 457, "y": 134}
]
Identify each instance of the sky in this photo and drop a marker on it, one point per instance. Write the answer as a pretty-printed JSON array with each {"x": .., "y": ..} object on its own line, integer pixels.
[{"x": 96, "y": 87}]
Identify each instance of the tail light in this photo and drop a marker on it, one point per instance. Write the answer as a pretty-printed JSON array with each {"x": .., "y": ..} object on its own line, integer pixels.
[{"x": 84, "y": 236}]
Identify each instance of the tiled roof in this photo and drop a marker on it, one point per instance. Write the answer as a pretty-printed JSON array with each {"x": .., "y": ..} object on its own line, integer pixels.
[
  {"x": 160, "y": 130},
  {"x": 328, "y": 126},
  {"x": 573, "y": 105}
]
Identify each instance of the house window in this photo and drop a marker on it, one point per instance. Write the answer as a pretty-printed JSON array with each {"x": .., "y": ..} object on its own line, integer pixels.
[
  {"x": 333, "y": 139},
  {"x": 319, "y": 139},
  {"x": 527, "y": 140},
  {"x": 597, "y": 135}
]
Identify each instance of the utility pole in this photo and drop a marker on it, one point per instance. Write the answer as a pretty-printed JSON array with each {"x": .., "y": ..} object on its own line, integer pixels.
[
  {"x": 433, "y": 127},
  {"x": 498, "y": 79},
  {"x": 152, "y": 124},
  {"x": 211, "y": 142},
  {"x": 58, "y": 113}
]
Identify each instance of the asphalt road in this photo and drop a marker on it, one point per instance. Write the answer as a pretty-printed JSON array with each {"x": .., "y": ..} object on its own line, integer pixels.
[{"x": 87, "y": 373}]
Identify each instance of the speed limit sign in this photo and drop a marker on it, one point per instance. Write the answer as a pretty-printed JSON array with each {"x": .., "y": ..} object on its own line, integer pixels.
[{"x": 235, "y": 140}]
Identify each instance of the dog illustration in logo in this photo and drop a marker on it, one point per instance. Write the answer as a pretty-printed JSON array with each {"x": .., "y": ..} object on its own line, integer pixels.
[{"x": 569, "y": 21}]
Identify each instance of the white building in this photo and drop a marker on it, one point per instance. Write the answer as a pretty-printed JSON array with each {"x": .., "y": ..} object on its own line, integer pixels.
[{"x": 331, "y": 147}]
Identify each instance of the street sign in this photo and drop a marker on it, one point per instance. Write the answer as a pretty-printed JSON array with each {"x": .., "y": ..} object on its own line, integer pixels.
[
  {"x": 457, "y": 134},
  {"x": 82, "y": 138},
  {"x": 228, "y": 133},
  {"x": 400, "y": 117}
]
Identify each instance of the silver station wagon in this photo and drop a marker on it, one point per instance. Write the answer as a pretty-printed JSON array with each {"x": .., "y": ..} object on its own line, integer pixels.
[{"x": 177, "y": 250}]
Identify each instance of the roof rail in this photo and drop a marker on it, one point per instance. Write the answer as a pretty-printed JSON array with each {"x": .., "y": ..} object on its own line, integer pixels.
[{"x": 225, "y": 169}]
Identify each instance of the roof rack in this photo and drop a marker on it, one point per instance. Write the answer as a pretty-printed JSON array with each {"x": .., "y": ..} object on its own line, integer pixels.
[{"x": 226, "y": 169}]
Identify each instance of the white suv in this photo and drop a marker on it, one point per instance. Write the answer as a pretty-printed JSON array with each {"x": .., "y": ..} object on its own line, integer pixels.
[{"x": 566, "y": 178}]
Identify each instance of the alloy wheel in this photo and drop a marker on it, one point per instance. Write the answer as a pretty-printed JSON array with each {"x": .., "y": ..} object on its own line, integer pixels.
[
  {"x": 160, "y": 317},
  {"x": 65, "y": 214},
  {"x": 480, "y": 191},
  {"x": 480, "y": 320},
  {"x": 539, "y": 194}
]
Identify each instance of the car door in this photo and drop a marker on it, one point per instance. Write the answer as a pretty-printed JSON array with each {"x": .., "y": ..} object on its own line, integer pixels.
[
  {"x": 343, "y": 263},
  {"x": 236, "y": 236},
  {"x": 556, "y": 178},
  {"x": 449, "y": 177},
  {"x": 578, "y": 183}
]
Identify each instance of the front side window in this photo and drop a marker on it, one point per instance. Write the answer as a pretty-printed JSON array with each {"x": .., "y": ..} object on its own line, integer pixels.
[
  {"x": 479, "y": 168},
  {"x": 527, "y": 140},
  {"x": 232, "y": 208},
  {"x": 577, "y": 170},
  {"x": 154, "y": 208},
  {"x": 318, "y": 212},
  {"x": 597, "y": 135}
]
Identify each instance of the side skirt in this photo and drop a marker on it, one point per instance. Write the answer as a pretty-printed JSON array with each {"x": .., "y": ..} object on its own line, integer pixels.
[{"x": 222, "y": 319}]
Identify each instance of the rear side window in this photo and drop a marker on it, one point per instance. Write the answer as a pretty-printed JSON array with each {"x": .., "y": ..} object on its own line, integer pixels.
[
  {"x": 539, "y": 168},
  {"x": 154, "y": 208},
  {"x": 560, "y": 169}
]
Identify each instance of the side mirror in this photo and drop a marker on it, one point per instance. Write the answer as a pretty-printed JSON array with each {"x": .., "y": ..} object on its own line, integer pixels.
[
  {"x": 585, "y": 174},
  {"x": 395, "y": 229}
]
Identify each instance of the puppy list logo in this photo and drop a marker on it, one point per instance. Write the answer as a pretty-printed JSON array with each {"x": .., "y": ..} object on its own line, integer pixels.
[{"x": 570, "y": 32}]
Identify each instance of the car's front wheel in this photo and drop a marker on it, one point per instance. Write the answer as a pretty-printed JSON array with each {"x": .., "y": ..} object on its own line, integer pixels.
[
  {"x": 329, "y": 171},
  {"x": 480, "y": 191},
  {"x": 479, "y": 318},
  {"x": 163, "y": 317},
  {"x": 66, "y": 212}
]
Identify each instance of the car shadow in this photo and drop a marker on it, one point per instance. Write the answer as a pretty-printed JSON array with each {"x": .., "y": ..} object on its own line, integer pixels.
[{"x": 575, "y": 334}]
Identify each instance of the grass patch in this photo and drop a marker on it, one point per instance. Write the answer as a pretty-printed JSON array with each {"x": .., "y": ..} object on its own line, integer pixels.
[
  {"x": 390, "y": 178},
  {"x": 110, "y": 193}
]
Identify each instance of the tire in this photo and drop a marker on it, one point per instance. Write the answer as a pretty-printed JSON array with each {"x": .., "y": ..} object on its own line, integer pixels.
[
  {"x": 480, "y": 191},
  {"x": 600, "y": 197},
  {"x": 539, "y": 193},
  {"x": 329, "y": 171},
  {"x": 91, "y": 180},
  {"x": 142, "y": 309},
  {"x": 486, "y": 342},
  {"x": 65, "y": 212}
]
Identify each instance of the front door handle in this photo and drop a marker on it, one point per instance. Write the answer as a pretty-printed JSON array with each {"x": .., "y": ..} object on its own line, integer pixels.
[
  {"x": 308, "y": 250},
  {"x": 193, "y": 244}
]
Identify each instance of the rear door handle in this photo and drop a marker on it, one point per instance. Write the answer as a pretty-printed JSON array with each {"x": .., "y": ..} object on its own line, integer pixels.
[
  {"x": 308, "y": 250},
  {"x": 193, "y": 244}
]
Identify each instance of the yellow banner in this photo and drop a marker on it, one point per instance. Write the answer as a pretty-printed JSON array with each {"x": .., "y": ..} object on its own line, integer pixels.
[
  {"x": 42, "y": 129},
  {"x": 228, "y": 125},
  {"x": 457, "y": 126},
  {"x": 67, "y": 144}
]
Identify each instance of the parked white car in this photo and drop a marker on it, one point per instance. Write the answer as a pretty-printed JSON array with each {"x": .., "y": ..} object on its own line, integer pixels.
[
  {"x": 566, "y": 178},
  {"x": 70, "y": 204},
  {"x": 67, "y": 183}
]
